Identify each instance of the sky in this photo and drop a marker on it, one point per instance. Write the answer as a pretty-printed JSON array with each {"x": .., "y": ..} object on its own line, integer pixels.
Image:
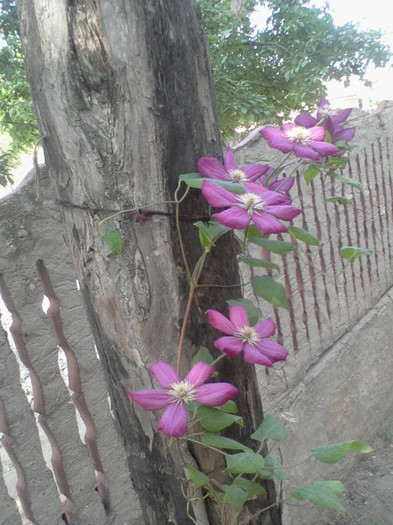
[{"x": 375, "y": 14}]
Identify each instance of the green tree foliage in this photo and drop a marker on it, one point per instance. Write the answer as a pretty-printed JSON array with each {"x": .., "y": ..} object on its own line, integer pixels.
[
  {"x": 17, "y": 122},
  {"x": 261, "y": 75}
]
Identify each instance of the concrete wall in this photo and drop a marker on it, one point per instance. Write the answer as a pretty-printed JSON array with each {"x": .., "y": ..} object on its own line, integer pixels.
[
  {"x": 55, "y": 422},
  {"x": 336, "y": 382}
]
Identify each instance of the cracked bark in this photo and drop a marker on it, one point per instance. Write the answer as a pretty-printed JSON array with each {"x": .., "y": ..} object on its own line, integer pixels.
[{"x": 124, "y": 100}]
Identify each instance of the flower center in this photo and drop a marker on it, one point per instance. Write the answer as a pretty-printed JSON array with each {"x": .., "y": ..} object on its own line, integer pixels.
[
  {"x": 251, "y": 202},
  {"x": 237, "y": 176},
  {"x": 247, "y": 334},
  {"x": 182, "y": 392},
  {"x": 299, "y": 135}
]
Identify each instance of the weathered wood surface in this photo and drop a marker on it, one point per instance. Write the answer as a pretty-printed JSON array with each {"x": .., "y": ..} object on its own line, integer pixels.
[{"x": 124, "y": 101}]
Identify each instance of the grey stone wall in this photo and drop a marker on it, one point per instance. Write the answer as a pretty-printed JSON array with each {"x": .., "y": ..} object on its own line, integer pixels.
[{"x": 336, "y": 383}]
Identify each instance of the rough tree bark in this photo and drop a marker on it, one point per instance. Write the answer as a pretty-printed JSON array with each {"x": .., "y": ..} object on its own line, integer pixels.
[{"x": 124, "y": 100}]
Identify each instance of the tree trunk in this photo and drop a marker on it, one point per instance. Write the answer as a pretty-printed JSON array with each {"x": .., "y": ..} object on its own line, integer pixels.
[{"x": 124, "y": 100}]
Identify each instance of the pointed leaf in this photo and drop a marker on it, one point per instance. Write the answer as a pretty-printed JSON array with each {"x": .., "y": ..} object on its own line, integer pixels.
[
  {"x": 304, "y": 236},
  {"x": 321, "y": 493},
  {"x": 279, "y": 247},
  {"x": 310, "y": 173},
  {"x": 194, "y": 180},
  {"x": 273, "y": 470},
  {"x": 346, "y": 180},
  {"x": 244, "y": 463},
  {"x": 204, "y": 355},
  {"x": 217, "y": 441},
  {"x": 252, "y": 488},
  {"x": 335, "y": 452},
  {"x": 270, "y": 290},
  {"x": 236, "y": 496},
  {"x": 353, "y": 252},
  {"x": 214, "y": 420},
  {"x": 259, "y": 263},
  {"x": 270, "y": 428},
  {"x": 252, "y": 311},
  {"x": 229, "y": 408},
  {"x": 113, "y": 239},
  {"x": 198, "y": 478},
  {"x": 338, "y": 199}
]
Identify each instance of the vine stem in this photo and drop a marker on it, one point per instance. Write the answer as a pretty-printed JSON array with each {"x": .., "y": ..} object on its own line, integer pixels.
[
  {"x": 194, "y": 284},
  {"x": 183, "y": 328}
]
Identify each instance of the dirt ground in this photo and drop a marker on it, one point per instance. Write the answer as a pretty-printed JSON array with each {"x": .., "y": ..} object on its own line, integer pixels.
[{"x": 368, "y": 495}]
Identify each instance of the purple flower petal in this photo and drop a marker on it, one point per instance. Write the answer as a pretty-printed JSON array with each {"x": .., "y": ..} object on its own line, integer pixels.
[
  {"x": 269, "y": 133},
  {"x": 232, "y": 346},
  {"x": 230, "y": 163},
  {"x": 254, "y": 171},
  {"x": 341, "y": 115},
  {"x": 267, "y": 224},
  {"x": 238, "y": 316},
  {"x": 174, "y": 420},
  {"x": 215, "y": 394},
  {"x": 325, "y": 148},
  {"x": 212, "y": 168},
  {"x": 265, "y": 328},
  {"x": 254, "y": 356},
  {"x": 150, "y": 399},
  {"x": 199, "y": 373},
  {"x": 305, "y": 152},
  {"x": 273, "y": 198},
  {"x": 272, "y": 350},
  {"x": 281, "y": 143},
  {"x": 284, "y": 212},
  {"x": 317, "y": 133},
  {"x": 220, "y": 322},
  {"x": 236, "y": 218},
  {"x": 346, "y": 134},
  {"x": 284, "y": 184},
  {"x": 305, "y": 120},
  {"x": 216, "y": 196},
  {"x": 164, "y": 373}
]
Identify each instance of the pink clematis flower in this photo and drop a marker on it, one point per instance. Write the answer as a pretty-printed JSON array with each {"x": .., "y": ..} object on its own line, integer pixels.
[
  {"x": 229, "y": 171},
  {"x": 257, "y": 204},
  {"x": 177, "y": 394},
  {"x": 325, "y": 112},
  {"x": 241, "y": 337},
  {"x": 304, "y": 142}
]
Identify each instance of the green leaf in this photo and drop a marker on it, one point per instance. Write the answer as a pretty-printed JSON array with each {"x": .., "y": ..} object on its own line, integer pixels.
[
  {"x": 333, "y": 453},
  {"x": 252, "y": 488},
  {"x": 252, "y": 311},
  {"x": 310, "y": 173},
  {"x": 209, "y": 234},
  {"x": 270, "y": 428},
  {"x": 229, "y": 408},
  {"x": 217, "y": 441},
  {"x": 113, "y": 239},
  {"x": 198, "y": 478},
  {"x": 321, "y": 493},
  {"x": 214, "y": 420},
  {"x": 304, "y": 236},
  {"x": 204, "y": 355},
  {"x": 353, "y": 252},
  {"x": 273, "y": 470},
  {"x": 194, "y": 180},
  {"x": 259, "y": 263},
  {"x": 338, "y": 199},
  {"x": 279, "y": 247},
  {"x": 244, "y": 463},
  {"x": 252, "y": 231},
  {"x": 346, "y": 180},
  {"x": 236, "y": 496},
  {"x": 270, "y": 290}
]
